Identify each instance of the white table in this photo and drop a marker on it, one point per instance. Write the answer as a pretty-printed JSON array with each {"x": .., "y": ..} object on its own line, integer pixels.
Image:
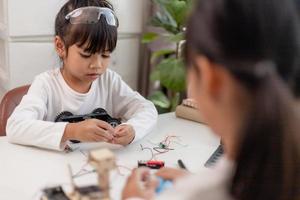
[{"x": 24, "y": 171}]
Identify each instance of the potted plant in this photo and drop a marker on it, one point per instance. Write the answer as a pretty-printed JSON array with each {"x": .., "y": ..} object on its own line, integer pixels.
[{"x": 168, "y": 68}]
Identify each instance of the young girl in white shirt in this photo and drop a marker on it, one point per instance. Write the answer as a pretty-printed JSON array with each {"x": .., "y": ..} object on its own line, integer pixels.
[
  {"x": 238, "y": 53},
  {"x": 85, "y": 37}
]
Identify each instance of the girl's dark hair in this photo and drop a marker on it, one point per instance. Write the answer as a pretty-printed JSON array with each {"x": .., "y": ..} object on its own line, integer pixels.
[
  {"x": 97, "y": 37},
  {"x": 257, "y": 42},
  {"x": 296, "y": 86}
]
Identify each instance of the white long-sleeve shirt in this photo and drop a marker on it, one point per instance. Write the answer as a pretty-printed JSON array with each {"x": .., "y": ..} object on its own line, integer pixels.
[{"x": 32, "y": 122}]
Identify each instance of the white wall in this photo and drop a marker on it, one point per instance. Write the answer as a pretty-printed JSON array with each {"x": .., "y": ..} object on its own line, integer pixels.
[{"x": 26, "y": 34}]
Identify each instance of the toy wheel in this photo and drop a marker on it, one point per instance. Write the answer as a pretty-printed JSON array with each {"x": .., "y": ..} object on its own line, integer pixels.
[
  {"x": 114, "y": 122},
  {"x": 99, "y": 111},
  {"x": 63, "y": 114}
]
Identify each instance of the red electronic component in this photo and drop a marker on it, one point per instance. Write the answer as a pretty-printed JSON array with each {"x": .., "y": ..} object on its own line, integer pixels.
[{"x": 153, "y": 164}]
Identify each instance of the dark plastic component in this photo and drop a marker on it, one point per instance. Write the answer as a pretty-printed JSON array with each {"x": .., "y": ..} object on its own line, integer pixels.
[
  {"x": 55, "y": 193},
  {"x": 98, "y": 113},
  {"x": 214, "y": 157}
]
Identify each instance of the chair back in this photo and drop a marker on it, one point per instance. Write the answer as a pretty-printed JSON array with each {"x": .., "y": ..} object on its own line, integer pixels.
[{"x": 8, "y": 104}]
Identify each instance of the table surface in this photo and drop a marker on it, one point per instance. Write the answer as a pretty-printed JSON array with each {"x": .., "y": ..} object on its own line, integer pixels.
[{"x": 25, "y": 171}]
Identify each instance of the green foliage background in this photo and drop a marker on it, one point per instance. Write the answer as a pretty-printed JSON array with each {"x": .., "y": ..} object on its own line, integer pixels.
[{"x": 169, "y": 71}]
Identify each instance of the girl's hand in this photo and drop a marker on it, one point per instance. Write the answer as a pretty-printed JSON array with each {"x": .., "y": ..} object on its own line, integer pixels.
[
  {"x": 140, "y": 184},
  {"x": 90, "y": 130},
  {"x": 123, "y": 134},
  {"x": 171, "y": 173}
]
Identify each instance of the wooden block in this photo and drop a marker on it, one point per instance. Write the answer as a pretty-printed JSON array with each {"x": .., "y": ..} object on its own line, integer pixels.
[
  {"x": 102, "y": 159},
  {"x": 190, "y": 103},
  {"x": 189, "y": 113},
  {"x": 101, "y": 154}
]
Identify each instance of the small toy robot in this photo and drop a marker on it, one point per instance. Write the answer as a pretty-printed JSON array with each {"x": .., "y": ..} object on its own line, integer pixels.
[{"x": 98, "y": 113}]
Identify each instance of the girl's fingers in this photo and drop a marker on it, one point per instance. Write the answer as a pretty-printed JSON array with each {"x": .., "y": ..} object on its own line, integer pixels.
[
  {"x": 119, "y": 128},
  {"x": 93, "y": 138},
  {"x": 103, "y": 133},
  {"x": 165, "y": 173},
  {"x": 141, "y": 174},
  {"x": 170, "y": 173},
  {"x": 123, "y": 130},
  {"x": 119, "y": 140},
  {"x": 98, "y": 138},
  {"x": 135, "y": 184},
  {"x": 152, "y": 182},
  {"x": 120, "y": 133},
  {"x": 105, "y": 125}
]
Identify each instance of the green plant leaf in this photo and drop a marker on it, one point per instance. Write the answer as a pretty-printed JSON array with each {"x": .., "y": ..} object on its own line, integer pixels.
[
  {"x": 149, "y": 37},
  {"x": 172, "y": 74},
  {"x": 163, "y": 18},
  {"x": 171, "y": 15},
  {"x": 155, "y": 75},
  {"x": 160, "y": 53},
  {"x": 178, "y": 10},
  {"x": 161, "y": 2},
  {"x": 175, "y": 101},
  {"x": 163, "y": 21},
  {"x": 176, "y": 37},
  {"x": 160, "y": 99}
]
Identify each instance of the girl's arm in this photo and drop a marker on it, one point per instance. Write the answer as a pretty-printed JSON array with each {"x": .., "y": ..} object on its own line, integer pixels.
[
  {"x": 27, "y": 126},
  {"x": 134, "y": 109}
]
